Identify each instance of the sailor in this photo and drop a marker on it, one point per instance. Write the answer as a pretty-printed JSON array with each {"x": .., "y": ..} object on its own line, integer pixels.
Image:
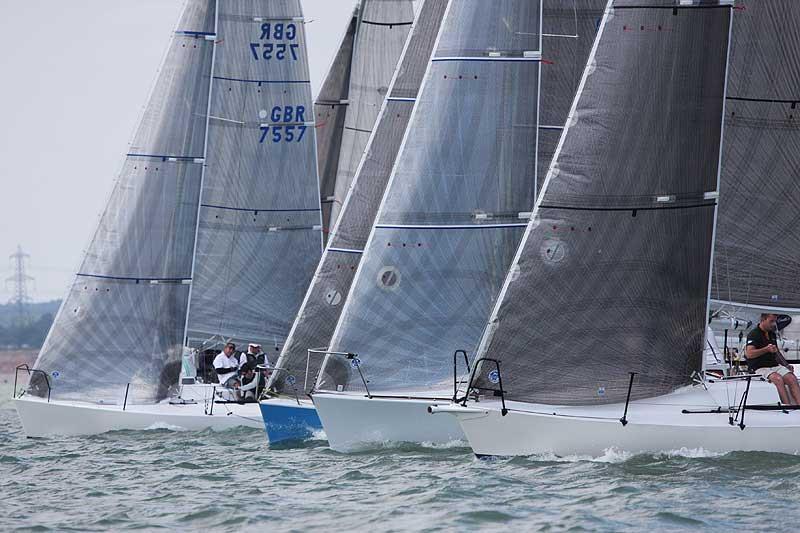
[
  {"x": 765, "y": 358},
  {"x": 252, "y": 356},
  {"x": 250, "y": 382},
  {"x": 227, "y": 366}
]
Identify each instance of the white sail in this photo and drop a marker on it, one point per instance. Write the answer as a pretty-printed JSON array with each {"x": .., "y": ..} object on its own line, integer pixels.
[
  {"x": 122, "y": 320},
  {"x": 259, "y": 235}
]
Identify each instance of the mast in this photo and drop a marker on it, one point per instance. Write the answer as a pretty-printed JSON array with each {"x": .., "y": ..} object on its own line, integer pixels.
[
  {"x": 203, "y": 172},
  {"x": 450, "y": 218},
  {"x": 612, "y": 274},
  {"x": 324, "y": 299},
  {"x": 330, "y": 110},
  {"x": 383, "y": 27},
  {"x": 259, "y": 237}
]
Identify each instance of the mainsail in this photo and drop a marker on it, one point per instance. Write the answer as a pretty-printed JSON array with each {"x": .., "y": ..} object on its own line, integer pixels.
[
  {"x": 758, "y": 232},
  {"x": 453, "y": 211},
  {"x": 381, "y": 34},
  {"x": 568, "y": 31},
  {"x": 123, "y": 318},
  {"x": 330, "y": 109},
  {"x": 259, "y": 236},
  {"x": 612, "y": 275},
  {"x": 324, "y": 300}
]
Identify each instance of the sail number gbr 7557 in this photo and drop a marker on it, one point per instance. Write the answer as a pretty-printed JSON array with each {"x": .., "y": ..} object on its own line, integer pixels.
[
  {"x": 279, "y": 51},
  {"x": 287, "y": 124}
]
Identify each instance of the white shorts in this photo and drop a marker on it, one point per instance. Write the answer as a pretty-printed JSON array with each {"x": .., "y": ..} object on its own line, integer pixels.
[{"x": 766, "y": 372}]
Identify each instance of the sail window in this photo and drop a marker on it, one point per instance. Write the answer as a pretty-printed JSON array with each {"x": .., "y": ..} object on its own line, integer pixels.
[
  {"x": 333, "y": 297},
  {"x": 388, "y": 278}
]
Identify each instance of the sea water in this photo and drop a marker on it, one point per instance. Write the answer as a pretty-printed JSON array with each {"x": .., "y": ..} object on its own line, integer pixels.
[{"x": 233, "y": 481}]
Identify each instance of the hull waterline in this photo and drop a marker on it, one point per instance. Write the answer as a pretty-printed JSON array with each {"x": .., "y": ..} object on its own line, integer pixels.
[
  {"x": 287, "y": 420},
  {"x": 657, "y": 425},
  {"x": 354, "y": 423}
]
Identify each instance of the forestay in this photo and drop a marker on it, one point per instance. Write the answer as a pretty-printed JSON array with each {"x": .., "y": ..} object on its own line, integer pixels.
[
  {"x": 612, "y": 276},
  {"x": 758, "y": 232},
  {"x": 259, "y": 237},
  {"x": 453, "y": 211},
  {"x": 330, "y": 109},
  {"x": 383, "y": 27},
  {"x": 122, "y": 320},
  {"x": 320, "y": 311}
]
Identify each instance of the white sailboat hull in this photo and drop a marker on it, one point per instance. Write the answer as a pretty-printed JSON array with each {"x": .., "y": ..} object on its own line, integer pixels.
[
  {"x": 354, "y": 423},
  {"x": 656, "y": 425},
  {"x": 41, "y": 418}
]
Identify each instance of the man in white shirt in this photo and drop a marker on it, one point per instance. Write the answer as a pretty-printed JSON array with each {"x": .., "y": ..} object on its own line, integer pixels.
[{"x": 227, "y": 366}]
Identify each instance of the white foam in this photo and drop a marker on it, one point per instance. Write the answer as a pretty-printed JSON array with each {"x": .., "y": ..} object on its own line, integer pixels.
[
  {"x": 164, "y": 425},
  {"x": 690, "y": 453},
  {"x": 455, "y": 443}
]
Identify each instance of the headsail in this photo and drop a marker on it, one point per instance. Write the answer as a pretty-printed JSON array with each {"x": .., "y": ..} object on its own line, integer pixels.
[
  {"x": 450, "y": 221},
  {"x": 330, "y": 110},
  {"x": 123, "y": 318},
  {"x": 259, "y": 237},
  {"x": 383, "y": 27},
  {"x": 317, "y": 318},
  {"x": 613, "y": 272},
  {"x": 758, "y": 233}
]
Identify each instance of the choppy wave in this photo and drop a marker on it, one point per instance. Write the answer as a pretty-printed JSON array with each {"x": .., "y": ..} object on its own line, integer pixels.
[{"x": 226, "y": 480}]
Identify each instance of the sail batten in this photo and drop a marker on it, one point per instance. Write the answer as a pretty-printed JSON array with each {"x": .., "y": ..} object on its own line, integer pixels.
[{"x": 612, "y": 275}]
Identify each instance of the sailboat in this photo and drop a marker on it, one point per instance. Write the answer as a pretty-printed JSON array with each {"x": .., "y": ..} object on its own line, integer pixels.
[
  {"x": 638, "y": 287},
  {"x": 444, "y": 235},
  {"x": 211, "y": 234},
  {"x": 288, "y": 414},
  {"x": 759, "y": 158}
]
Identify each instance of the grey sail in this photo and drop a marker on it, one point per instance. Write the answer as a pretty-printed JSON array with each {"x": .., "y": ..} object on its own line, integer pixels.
[
  {"x": 612, "y": 275},
  {"x": 568, "y": 31},
  {"x": 259, "y": 236},
  {"x": 383, "y": 27},
  {"x": 122, "y": 320},
  {"x": 450, "y": 221},
  {"x": 758, "y": 232},
  {"x": 323, "y": 304},
  {"x": 330, "y": 110}
]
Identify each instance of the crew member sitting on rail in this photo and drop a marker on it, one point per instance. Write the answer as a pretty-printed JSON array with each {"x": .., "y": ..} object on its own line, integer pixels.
[
  {"x": 765, "y": 358},
  {"x": 227, "y": 366}
]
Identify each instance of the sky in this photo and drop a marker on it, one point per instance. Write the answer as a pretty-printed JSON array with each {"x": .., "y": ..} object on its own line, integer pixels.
[{"x": 75, "y": 78}]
